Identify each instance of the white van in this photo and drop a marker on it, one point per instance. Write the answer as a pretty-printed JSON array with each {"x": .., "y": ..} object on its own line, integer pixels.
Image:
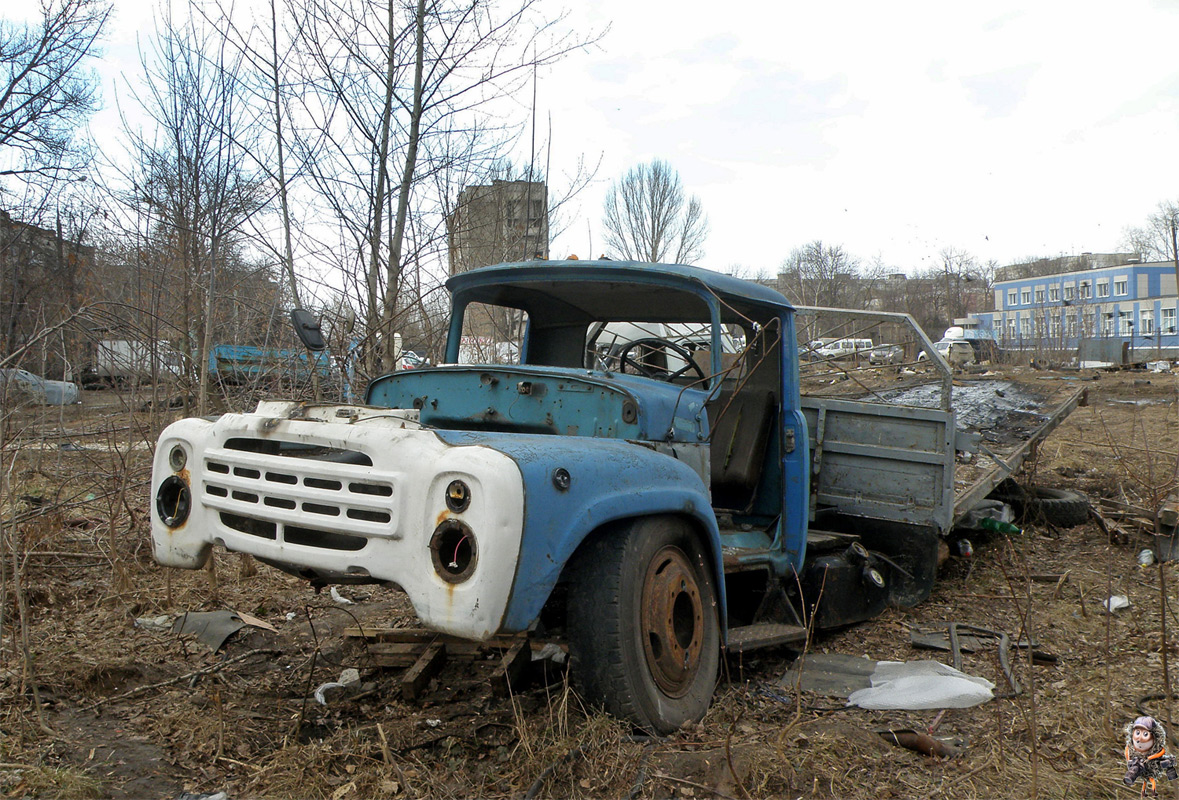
[{"x": 845, "y": 348}]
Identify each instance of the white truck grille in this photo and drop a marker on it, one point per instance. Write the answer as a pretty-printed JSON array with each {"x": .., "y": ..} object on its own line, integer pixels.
[{"x": 297, "y": 500}]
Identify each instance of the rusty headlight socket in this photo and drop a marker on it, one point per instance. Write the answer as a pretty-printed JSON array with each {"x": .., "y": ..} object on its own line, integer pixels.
[
  {"x": 453, "y": 551},
  {"x": 458, "y": 496},
  {"x": 177, "y": 458},
  {"x": 173, "y": 501}
]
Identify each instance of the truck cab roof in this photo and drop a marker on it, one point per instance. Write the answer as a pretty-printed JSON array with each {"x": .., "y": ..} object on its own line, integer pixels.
[{"x": 620, "y": 291}]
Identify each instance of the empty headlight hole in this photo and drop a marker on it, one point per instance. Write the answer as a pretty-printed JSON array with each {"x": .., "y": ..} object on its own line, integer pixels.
[
  {"x": 458, "y": 496},
  {"x": 173, "y": 501},
  {"x": 453, "y": 550}
]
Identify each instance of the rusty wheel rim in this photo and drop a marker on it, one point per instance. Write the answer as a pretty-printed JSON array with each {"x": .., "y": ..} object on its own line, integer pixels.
[{"x": 672, "y": 621}]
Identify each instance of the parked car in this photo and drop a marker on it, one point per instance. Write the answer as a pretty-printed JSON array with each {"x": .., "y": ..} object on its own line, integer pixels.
[
  {"x": 18, "y": 385},
  {"x": 956, "y": 352},
  {"x": 411, "y": 360},
  {"x": 886, "y": 354}
]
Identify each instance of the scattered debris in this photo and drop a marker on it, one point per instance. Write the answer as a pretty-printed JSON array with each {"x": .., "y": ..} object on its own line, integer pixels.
[
  {"x": 347, "y": 683},
  {"x": 959, "y": 638},
  {"x": 160, "y": 624},
  {"x": 341, "y": 599},
  {"x": 830, "y": 674},
  {"x": 984, "y": 516},
  {"x": 917, "y": 685},
  {"x": 213, "y": 628},
  {"x": 919, "y": 742},
  {"x": 1145, "y": 557},
  {"x": 1116, "y": 603}
]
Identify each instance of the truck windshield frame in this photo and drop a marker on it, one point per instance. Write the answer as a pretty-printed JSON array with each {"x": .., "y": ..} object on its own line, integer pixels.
[{"x": 561, "y": 304}]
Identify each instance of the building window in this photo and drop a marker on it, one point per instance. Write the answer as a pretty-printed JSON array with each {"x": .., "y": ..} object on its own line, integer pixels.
[
  {"x": 1086, "y": 290},
  {"x": 1012, "y": 297},
  {"x": 1120, "y": 287},
  {"x": 1055, "y": 326},
  {"x": 1011, "y": 328},
  {"x": 1070, "y": 325},
  {"x": 1145, "y": 322},
  {"x": 1103, "y": 288},
  {"x": 1025, "y": 296},
  {"x": 1054, "y": 294},
  {"x": 1167, "y": 321},
  {"x": 1070, "y": 292},
  {"x": 1107, "y": 324},
  {"x": 1125, "y": 325},
  {"x": 1039, "y": 294},
  {"x": 1025, "y": 326}
]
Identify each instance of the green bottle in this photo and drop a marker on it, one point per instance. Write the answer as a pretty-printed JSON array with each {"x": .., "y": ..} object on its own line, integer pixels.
[{"x": 991, "y": 524}]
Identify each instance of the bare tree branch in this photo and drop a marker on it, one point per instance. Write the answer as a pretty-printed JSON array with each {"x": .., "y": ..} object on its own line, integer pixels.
[{"x": 646, "y": 218}]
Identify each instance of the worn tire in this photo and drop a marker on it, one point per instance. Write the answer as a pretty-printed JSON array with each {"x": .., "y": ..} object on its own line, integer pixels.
[
  {"x": 642, "y": 624},
  {"x": 1060, "y": 507}
]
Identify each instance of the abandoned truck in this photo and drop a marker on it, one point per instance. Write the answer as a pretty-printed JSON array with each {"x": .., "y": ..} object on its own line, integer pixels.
[{"x": 651, "y": 503}]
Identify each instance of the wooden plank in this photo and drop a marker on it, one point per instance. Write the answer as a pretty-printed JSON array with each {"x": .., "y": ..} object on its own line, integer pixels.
[
  {"x": 512, "y": 669},
  {"x": 391, "y": 634},
  {"x": 417, "y": 677},
  {"x": 454, "y": 649},
  {"x": 383, "y": 634}
]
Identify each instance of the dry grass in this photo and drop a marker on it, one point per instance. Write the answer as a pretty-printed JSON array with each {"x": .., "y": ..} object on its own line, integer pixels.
[{"x": 249, "y": 728}]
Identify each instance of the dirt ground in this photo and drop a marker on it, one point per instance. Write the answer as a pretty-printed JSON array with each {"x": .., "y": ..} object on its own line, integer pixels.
[{"x": 99, "y": 699}]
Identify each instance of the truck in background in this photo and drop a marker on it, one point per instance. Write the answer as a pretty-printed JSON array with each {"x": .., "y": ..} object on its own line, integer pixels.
[
  {"x": 118, "y": 362},
  {"x": 237, "y": 364},
  {"x": 652, "y": 512}
]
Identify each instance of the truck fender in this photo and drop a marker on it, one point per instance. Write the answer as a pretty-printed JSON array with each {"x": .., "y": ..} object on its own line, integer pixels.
[{"x": 575, "y": 487}]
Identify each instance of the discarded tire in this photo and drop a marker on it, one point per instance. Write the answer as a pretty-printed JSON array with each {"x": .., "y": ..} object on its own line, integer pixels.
[{"x": 1060, "y": 507}]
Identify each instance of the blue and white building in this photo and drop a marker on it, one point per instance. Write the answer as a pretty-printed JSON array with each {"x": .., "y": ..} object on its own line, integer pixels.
[{"x": 1131, "y": 303}]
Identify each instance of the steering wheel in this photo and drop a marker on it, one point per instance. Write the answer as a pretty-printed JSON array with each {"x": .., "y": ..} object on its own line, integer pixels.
[{"x": 648, "y": 371}]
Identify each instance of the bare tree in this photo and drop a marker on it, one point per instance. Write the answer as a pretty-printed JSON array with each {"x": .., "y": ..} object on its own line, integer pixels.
[
  {"x": 958, "y": 269},
  {"x": 1158, "y": 240},
  {"x": 262, "y": 72},
  {"x": 819, "y": 274},
  {"x": 397, "y": 93},
  {"x": 45, "y": 92},
  {"x": 647, "y": 218},
  {"x": 192, "y": 177}
]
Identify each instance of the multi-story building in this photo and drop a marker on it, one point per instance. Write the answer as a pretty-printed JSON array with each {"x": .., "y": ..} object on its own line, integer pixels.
[
  {"x": 1128, "y": 304},
  {"x": 506, "y": 221}
]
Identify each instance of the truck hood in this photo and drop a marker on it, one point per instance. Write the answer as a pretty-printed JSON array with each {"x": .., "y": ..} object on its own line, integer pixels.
[{"x": 549, "y": 400}]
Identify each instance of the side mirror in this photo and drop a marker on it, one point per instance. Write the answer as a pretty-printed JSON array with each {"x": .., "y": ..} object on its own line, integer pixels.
[{"x": 307, "y": 328}]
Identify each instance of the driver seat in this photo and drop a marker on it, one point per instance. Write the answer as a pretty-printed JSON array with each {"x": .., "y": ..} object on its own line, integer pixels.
[{"x": 739, "y": 430}]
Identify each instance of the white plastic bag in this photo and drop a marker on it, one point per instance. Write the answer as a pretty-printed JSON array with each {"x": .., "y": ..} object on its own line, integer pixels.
[{"x": 918, "y": 685}]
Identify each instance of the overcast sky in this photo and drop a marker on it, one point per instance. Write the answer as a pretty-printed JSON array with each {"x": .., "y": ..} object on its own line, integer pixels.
[{"x": 1005, "y": 129}]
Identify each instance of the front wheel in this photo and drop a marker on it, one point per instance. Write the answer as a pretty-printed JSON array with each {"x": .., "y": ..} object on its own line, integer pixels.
[{"x": 644, "y": 635}]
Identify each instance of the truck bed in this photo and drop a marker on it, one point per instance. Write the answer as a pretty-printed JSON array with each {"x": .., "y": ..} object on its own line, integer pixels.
[{"x": 896, "y": 457}]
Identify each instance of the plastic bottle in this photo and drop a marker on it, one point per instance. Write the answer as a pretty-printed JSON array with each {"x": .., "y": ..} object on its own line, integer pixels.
[{"x": 999, "y": 526}]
